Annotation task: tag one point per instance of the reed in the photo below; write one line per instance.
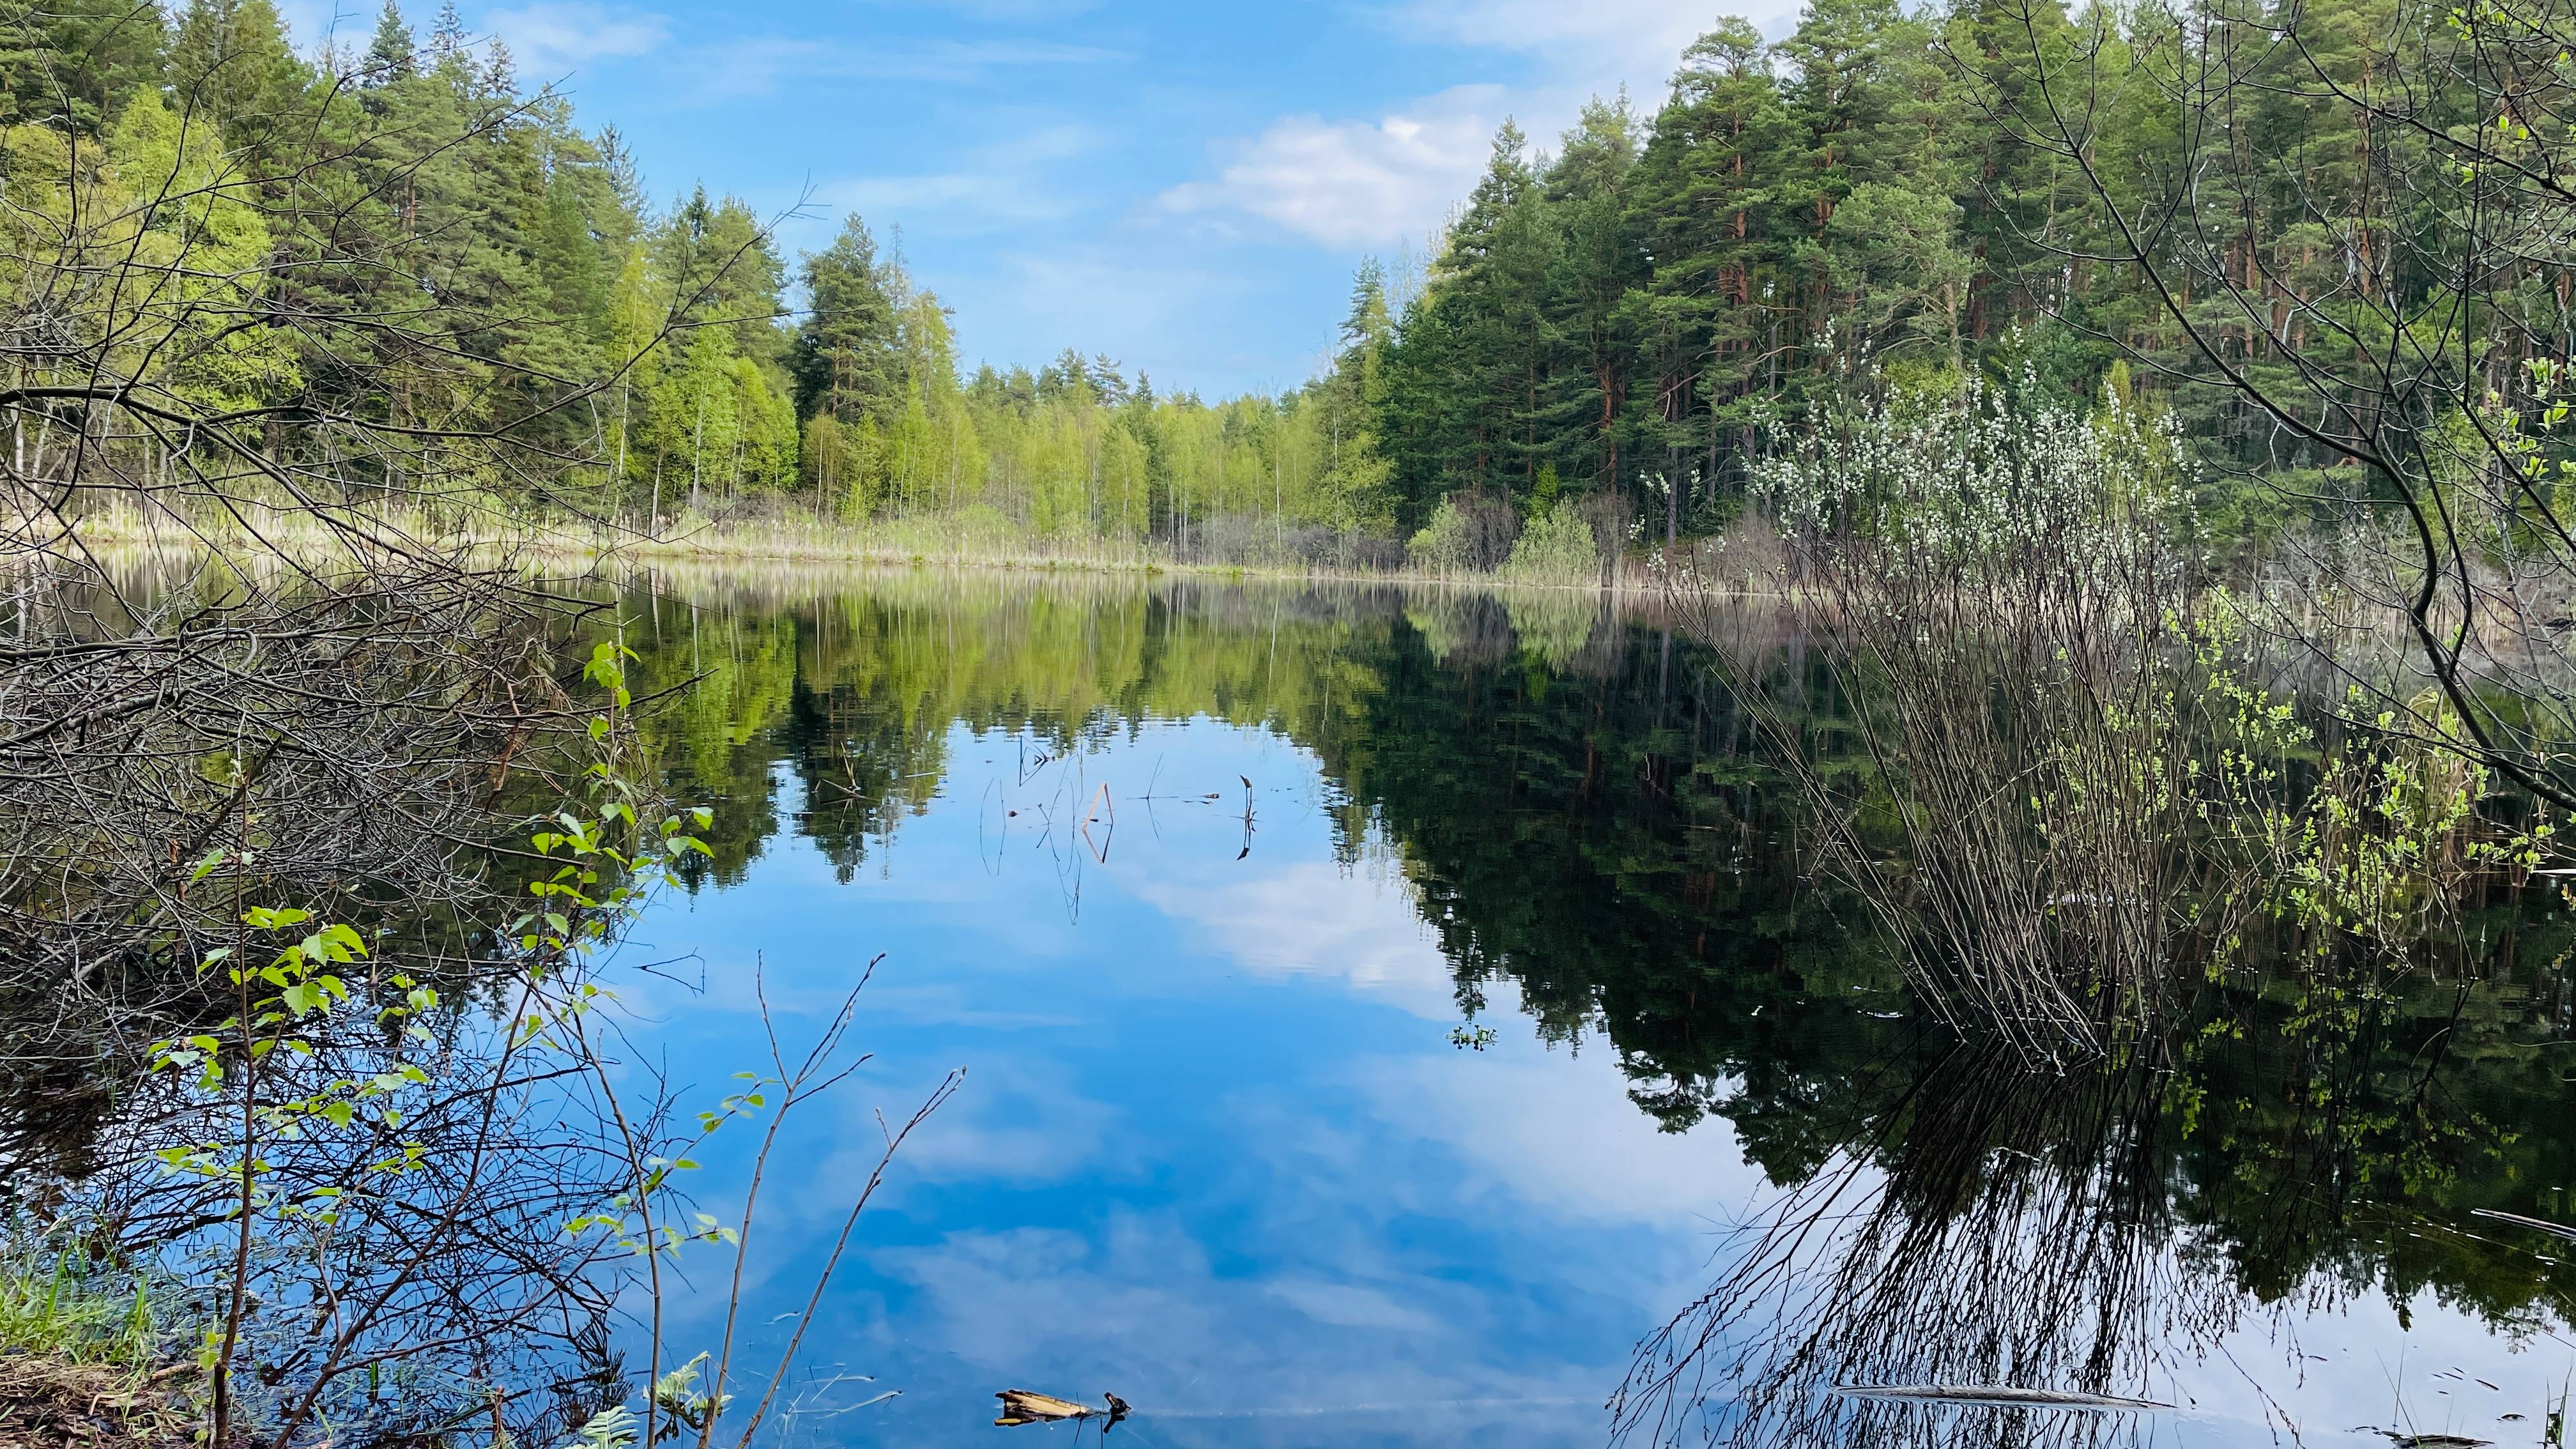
(2074, 777)
(1993, 598)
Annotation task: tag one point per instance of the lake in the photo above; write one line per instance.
(1382, 1011)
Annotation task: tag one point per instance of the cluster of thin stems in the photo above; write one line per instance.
(2001, 1226)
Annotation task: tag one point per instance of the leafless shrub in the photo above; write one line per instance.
(1256, 539)
(1609, 512)
(359, 724)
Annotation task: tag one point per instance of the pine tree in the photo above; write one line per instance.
(75, 61)
(2015, 198)
(1897, 259)
(230, 66)
(570, 260)
(447, 34)
(1482, 336)
(844, 359)
(1350, 403)
(721, 267)
(619, 220)
(391, 57)
(1717, 307)
(1839, 99)
(1598, 261)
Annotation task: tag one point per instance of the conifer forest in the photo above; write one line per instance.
(2051, 201)
(1877, 753)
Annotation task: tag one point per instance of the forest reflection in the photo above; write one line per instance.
(1583, 812)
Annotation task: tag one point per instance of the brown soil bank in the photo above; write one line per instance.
(49, 1404)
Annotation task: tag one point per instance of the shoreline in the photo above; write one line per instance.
(719, 545)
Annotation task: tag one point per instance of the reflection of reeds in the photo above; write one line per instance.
(2009, 1229)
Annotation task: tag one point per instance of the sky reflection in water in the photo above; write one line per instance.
(1218, 1153)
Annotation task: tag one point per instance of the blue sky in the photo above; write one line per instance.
(1184, 185)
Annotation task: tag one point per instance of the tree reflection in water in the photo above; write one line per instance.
(2113, 1231)
(2004, 1227)
(1588, 827)
(1588, 821)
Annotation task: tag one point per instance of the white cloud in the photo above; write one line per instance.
(1351, 183)
(1000, 186)
(759, 63)
(1351, 1305)
(1558, 1133)
(1141, 1299)
(1357, 183)
(1026, 1121)
(1596, 42)
(553, 37)
(1310, 920)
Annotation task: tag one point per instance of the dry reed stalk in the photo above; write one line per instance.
(1993, 600)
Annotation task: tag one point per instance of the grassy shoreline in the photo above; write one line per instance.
(90, 1356)
(912, 543)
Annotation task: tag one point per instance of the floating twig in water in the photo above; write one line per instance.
(1026, 1406)
(1994, 1396)
(2538, 1225)
(1100, 802)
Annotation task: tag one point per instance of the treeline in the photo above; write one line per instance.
(855, 405)
(642, 361)
(1863, 205)
(1848, 209)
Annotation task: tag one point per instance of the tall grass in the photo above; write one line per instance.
(1991, 593)
(2061, 779)
(1571, 547)
(55, 1303)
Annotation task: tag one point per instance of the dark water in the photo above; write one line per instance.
(1395, 1096)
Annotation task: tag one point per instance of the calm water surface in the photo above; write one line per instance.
(1381, 1013)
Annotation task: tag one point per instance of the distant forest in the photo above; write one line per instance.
(1839, 213)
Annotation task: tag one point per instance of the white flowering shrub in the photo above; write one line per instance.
(1996, 591)
(1977, 481)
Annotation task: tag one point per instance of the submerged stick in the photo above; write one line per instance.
(1994, 1396)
